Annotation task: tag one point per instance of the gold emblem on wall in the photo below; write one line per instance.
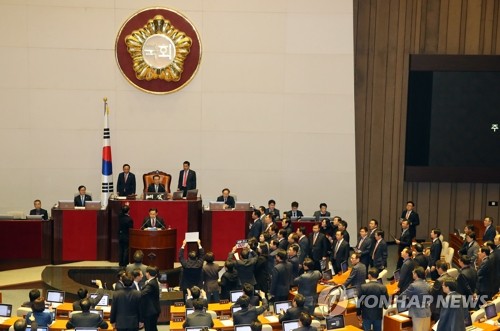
(158, 50)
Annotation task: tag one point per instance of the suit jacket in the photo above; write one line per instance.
(496, 262)
(198, 318)
(124, 188)
(229, 282)
(93, 301)
(453, 317)
(78, 200)
(379, 260)
(294, 261)
(415, 294)
(280, 279)
(42, 318)
(357, 277)
(318, 249)
(364, 249)
(159, 223)
(490, 234)
(191, 269)
(299, 214)
(86, 320)
(255, 229)
(341, 256)
(161, 188)
(41, 211)
(245, 268)
(306, 328)
(318, 214)
(435, 255)
(307, 282)
(421, 260)
(125, 223)
(291, 314)
(125, 309)
(190, 180)
(406, 275)
(485, 277)
(304, 248)
(275, 212)
(249, 314)
(466, 281)
(150, 298)
(405, 240)
(372, 288)
(210, 273)
(437, 291)
(283, 244)
(229, 201)
(414, 221)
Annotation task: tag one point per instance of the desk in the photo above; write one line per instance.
(180, 311)
(222, 228)
(397, 322)
(218, 324)
(32, 240)
(159, 247)
(78, 228)
(64, 309)
(182, 215)
(60, 325)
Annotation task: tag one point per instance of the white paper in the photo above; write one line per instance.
(272, 319)
(192, 236)
(400, 318)
(227, 322)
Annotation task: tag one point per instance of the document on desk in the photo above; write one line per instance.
(227, 322)
(272, 319)
(400, 318)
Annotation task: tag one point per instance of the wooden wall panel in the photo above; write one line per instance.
(386, 33)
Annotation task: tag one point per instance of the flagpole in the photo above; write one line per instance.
(107, 165)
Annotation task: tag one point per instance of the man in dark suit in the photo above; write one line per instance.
(150, 300)
(137, 257)
(379, 252)
(125, 223)
(82, 197)
(187, 178)
(280, 279)
(415, 298)
(83, 293)
(453, 314)
(470, 247)
(437, 288)
(39, 210)
(227, 199)
(282, 239)
(435, 252)
(192, 267)
(485, 275)
(248, 314)
(412, 217)
(406, 271)
(125, 309)
(357, 277)
(303, 243)
(256, 226)
(295, 213)
(318, 245)
(294, 312)
(307, 284)
(322, 212)
(342, 227)
(271, 204)
(153, 221)
(340, 252)
(245, 265)
(373, 290)
(364, 246)
(419, 258)
(156, 187)
(305, 321)
(198, 317)
(293, 258)
(496, 259)
(403, 241)
(372, 228)
(489, 232)
(467, 277)
(86, 319)
(126, 182)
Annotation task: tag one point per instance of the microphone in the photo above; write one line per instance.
(161, 223)
(142, 226)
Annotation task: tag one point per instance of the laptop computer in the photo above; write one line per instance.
(55, 297)
(93, 205)
(234, 309)
(189, 311)
(215, 205)
(40, 328)
(5, 312)
(192, 194)
(34, 217)
(177, 195)
(98, 311)
(344, 266)
(104, 300)
(490, 311)
(397, 275)
(235, 295)
(66, 204)
(242, 205)
(86, 329)
(327, 274)
(242, 327)
(196, 328)
(335, 322)
(290, 325)
(282, 305)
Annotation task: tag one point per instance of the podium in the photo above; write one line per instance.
(158, 246)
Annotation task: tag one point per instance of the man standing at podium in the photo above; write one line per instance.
(156, 186)
(187, 178)
(126, 182)
(39, 210)
(152, 221)
(82, 197)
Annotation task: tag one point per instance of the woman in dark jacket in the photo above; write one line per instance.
(261, 273)
(229, 280)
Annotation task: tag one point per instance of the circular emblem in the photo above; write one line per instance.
(158, 50)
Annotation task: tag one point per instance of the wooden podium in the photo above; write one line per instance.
(158, 246)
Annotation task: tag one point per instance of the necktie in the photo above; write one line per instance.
(294, 214)
(374, 250)
(156, 188)
(315, 237)
(360, 243)
(153, 222)
(126, 176)
(336, 249)
(408, 214)
(184, 180)
(225, 199)
(83, 200)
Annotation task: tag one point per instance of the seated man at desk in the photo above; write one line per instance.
(86, 319)
(82, 197)
(294, 312)
(248, 313)
(305, 321)
(195, 293)
(156, 187)
(198, 317)
(153, 221)
(84, 294)
(226, 198)
(39, 210)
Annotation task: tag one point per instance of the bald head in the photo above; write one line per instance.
(20, 325)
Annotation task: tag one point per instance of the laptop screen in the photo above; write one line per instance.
(97, 311)
(86, 329)
(282, 305)
(40, 328)
(189, 311)
(192, 194)
(235, 295)
(195, 328)
(335, 322)
(351, 293)
(290, 325)
(55, 296)
(344, 266)
(327, 274)
(242, 205)
(242, 327)
(234, 309)
(491, 311)
(104, 300)
(5, 310)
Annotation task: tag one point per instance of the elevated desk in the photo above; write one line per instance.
(456, 241)
(80, 235)
(222, 228)
(159, 247)
(25, 243)
(181, 215)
